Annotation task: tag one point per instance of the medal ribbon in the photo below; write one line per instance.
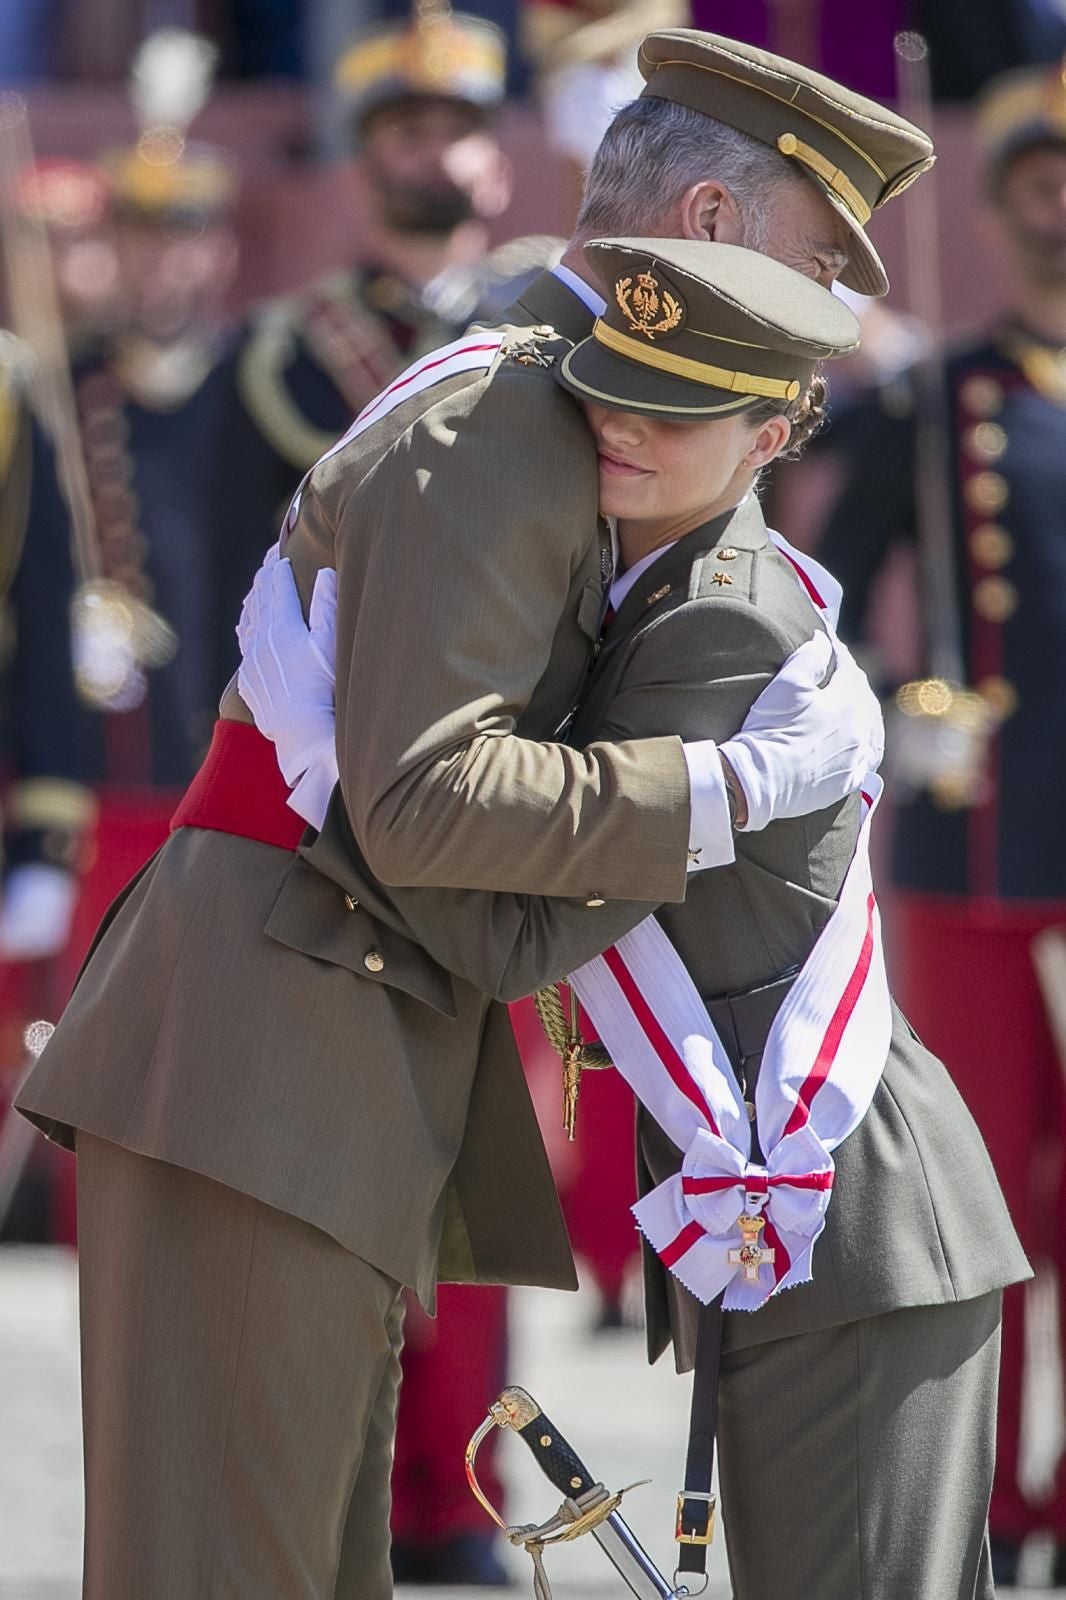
(824, 1057)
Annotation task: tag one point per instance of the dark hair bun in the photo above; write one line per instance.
(808, 416)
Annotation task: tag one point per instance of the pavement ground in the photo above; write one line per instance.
(627, 1420)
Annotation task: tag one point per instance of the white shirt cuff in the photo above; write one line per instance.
(711, 842)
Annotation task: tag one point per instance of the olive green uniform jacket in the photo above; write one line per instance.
(236, 1017)
(917, 1217)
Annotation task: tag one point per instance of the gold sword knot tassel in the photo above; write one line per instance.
(571, 1087)
(562, 1025)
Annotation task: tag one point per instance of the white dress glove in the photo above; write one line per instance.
(37, 911)
(286, 678)
(807, 744)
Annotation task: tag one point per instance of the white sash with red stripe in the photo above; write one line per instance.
(475, 351)
(823, 1060)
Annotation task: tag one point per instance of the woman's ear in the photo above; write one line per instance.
(769, 442)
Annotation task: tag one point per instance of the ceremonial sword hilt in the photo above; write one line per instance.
(515, 1409)
(587, 1506)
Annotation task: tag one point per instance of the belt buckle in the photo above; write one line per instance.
(684, 1535)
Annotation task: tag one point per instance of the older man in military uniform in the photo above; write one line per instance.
(982, 873)
(420, 95)
(277, 1100)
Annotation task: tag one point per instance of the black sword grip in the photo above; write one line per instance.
(558, 1462)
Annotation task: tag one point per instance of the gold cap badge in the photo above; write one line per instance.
(642, 301)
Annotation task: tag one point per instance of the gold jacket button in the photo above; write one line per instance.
(350, 902)
(750, 1109)
(990, 545)
(594, 901)
(983, 397)
(1000, 696)
(729, 554)
(986, 493)
(374, 961)
(995, 599)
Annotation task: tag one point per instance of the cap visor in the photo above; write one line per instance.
(865, 271)
(595, 373)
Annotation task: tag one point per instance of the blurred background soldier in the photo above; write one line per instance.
(419, 97)
(981, 867)
(142, 251)
(148, 396)
(586, 51)
(72, 199)
(46, 808)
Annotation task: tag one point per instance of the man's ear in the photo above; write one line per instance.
(708, 212)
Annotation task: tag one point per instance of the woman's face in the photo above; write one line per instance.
(660, 471)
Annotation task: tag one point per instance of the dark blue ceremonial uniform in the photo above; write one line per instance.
(303, 368)
(294, 380)
(1008, 487)
(46, 807)
(148, 434)
(42, 718)
(149, 463)
(977, 886)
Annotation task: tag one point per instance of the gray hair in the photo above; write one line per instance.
(654, 151)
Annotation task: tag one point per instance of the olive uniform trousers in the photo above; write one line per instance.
(239, 1374)
(856, 1465)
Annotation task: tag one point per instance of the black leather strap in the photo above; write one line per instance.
(703, 1426)
(743, 1021)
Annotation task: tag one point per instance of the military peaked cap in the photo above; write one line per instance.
(694, 331)
(440, 55)
(858, 154)
(1021, 111)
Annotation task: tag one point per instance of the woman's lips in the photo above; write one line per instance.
(616, 467)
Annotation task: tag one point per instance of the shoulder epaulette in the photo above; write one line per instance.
(539, 346)
(723, 571)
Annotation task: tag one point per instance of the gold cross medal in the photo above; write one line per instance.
(750, 1255)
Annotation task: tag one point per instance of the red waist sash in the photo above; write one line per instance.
(239, 789)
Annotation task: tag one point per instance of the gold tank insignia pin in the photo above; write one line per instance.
(641, 303)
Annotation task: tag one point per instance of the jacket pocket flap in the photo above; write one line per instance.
(312, 915)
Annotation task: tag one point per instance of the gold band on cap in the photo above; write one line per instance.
(835, 177)
(695, 371)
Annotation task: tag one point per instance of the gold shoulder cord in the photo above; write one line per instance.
(261, 383)
(563, 1033)
(15, 463)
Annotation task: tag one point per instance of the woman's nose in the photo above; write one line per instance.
(621, 428)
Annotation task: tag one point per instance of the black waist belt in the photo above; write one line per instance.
(744, 1019)
(743, 1022)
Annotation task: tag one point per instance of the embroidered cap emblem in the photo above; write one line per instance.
(647, 306)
